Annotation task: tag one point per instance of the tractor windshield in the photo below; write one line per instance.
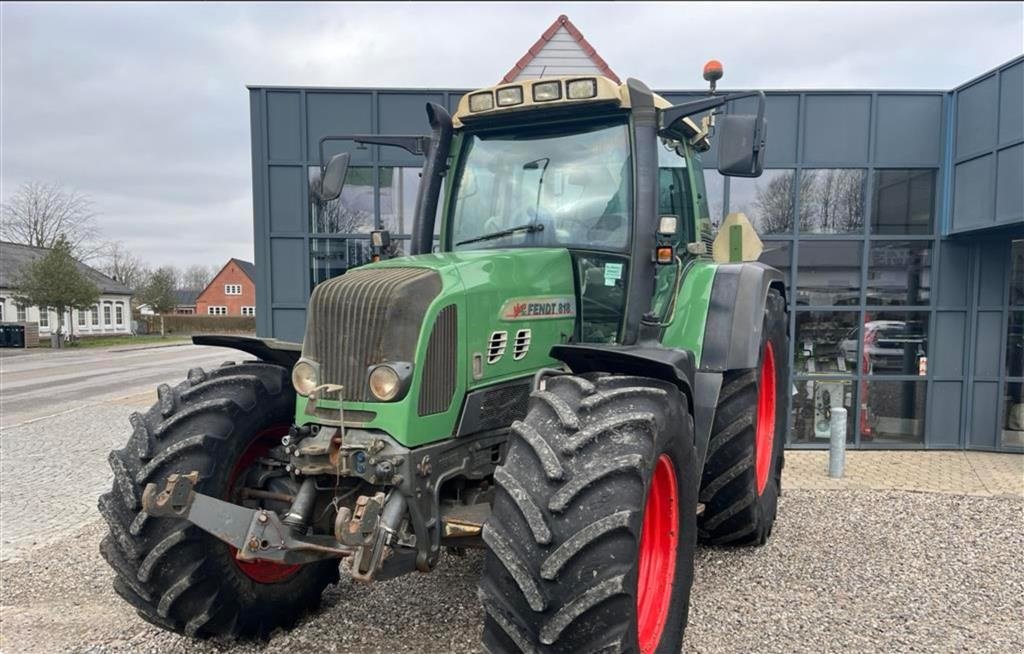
(563, 186)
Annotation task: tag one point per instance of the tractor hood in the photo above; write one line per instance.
(461, 321)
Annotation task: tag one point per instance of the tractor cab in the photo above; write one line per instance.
(610, 172)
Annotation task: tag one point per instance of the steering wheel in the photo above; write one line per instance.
(605, 226)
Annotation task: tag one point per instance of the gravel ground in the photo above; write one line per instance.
(845, 571)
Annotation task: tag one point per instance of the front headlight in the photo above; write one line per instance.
(385, 383)
(305, 378)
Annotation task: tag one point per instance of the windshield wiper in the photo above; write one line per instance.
(529, 228)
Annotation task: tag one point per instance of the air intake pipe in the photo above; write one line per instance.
(434, 169)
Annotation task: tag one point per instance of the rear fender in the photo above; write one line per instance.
(270, 350)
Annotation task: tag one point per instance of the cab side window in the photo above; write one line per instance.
(675, 197)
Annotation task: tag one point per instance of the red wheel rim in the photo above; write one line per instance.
(659, 538)
(264, 572)
(764, 439)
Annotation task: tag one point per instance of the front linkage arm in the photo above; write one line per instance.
(256, 534)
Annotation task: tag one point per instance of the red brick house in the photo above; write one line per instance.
(231, 293)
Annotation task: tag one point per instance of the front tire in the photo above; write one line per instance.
(177, 576)
(593, 529)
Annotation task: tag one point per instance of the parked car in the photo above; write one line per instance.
(886, 344)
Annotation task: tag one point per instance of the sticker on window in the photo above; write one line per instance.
(612, 273)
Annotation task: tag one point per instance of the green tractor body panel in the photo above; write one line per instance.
(686, 324)
(503, 291)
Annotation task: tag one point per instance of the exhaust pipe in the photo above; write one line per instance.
(434, 169)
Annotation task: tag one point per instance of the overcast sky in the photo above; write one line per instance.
(144, 107)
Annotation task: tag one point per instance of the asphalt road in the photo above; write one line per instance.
(60, 415)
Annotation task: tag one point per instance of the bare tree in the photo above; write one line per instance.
(774, 204)
(38, 213)
(124, 266)
(196, 277)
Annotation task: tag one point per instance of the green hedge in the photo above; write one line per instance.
(198, 324)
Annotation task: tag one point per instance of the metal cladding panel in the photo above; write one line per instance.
(288, 324)
(288, 256)
(954, 273)
(950, 327)
(944, 409)
(782, 112)
(287, 188)
(1010, 184)
(908, 129)
(984, 414)
(439, 375)
(284, 125)
(993, 272)
(366, 316)
(987, 341)
(976, 107)
(338, 112)
(404, 113)
(1011, 103)
(836, 129)
(973, 204)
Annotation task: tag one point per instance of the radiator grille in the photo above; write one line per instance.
(365, 317)
(439, 366)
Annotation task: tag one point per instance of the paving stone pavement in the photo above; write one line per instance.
(965, 473)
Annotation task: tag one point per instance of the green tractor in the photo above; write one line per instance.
(574, 378)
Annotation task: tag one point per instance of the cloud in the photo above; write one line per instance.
(144, 106)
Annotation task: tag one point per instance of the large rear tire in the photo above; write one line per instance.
(175, 575)
(742, 475)
(592, 532)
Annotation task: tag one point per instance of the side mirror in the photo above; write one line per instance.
(741, 140)
(328, 183)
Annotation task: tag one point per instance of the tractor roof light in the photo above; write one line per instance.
(481, 101)
(510, 96)
(547, 91)
(581, 89)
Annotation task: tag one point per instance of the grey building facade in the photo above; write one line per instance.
(898, 217)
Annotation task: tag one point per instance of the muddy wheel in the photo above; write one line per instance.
(743, 469)
(592, 532)
(178, 577)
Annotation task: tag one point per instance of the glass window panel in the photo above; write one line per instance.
(903, 201)
(832, 200)
(1017, 273)
(767, 200)
(398, 189)
(332, 257)
(899, 272)
(1013, 418)
(777, 255)
(893, 412)
(352, 211)
(714, 191)
(813, 404)
(828, 273)
(1015, 344)
(895, 342)
(826, 342)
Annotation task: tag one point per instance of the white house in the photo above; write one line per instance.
(110, 315)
